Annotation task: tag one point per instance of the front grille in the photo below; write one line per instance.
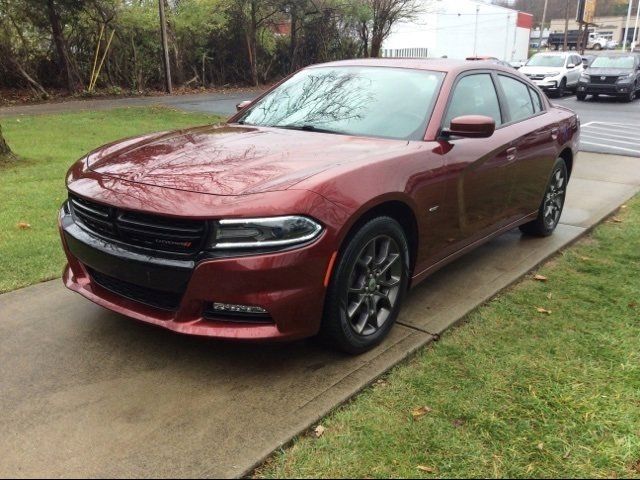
(153, 232)
(149, 296)
(604, 80)
(537, 77)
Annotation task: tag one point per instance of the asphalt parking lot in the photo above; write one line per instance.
(608, 125)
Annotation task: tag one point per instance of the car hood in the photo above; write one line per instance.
(609, 72)
(539, 70)
(232, 159)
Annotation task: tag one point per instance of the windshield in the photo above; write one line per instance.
(368, 101)
(546, 61)
(613, 62)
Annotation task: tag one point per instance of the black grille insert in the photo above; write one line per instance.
(155, 298)
(154, 232)
(604, 79)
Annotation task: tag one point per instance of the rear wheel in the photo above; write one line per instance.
(562, 88)
(367, 287)
(552, 205)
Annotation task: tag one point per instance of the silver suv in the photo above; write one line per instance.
(554, 72)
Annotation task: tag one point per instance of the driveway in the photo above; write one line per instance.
(86, 392)
(217, 103)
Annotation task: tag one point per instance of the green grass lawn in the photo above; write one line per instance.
(512, 392)
(32, 188)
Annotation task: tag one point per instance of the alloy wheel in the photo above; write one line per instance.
(554, 199)
(374, 285)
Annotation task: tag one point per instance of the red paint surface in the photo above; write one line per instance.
(525, 20)
(235, 171)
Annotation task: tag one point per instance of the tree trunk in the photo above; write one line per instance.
(5, 151)
(252, 42)
(61, 45)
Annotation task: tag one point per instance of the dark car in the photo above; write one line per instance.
(318, 205)
(611, 74)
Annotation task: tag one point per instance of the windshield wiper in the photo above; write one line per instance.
(309, 128)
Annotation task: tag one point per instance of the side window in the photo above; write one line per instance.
(474, 95)
(518, 99)
(537, 101)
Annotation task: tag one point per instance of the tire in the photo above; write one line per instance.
(630, 96)
(562, 88)
(552, 204)
(581, 97)
(362, 305)
(597, 47)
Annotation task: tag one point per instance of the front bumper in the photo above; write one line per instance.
(608, 89)
(546, 84)
(289, 285)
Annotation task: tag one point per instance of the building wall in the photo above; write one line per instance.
(449, 28)
(610, 27)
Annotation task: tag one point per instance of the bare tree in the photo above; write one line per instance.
(377, 17)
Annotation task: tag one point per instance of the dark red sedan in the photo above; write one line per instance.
(317, 206)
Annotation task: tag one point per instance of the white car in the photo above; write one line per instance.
(554, 72)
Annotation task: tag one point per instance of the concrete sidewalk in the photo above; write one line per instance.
(86, 392)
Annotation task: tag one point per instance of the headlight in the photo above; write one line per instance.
(551, 74)
(264, 232)
(626, 78)
(585, 76)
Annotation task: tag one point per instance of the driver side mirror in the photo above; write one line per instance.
(571, 66)
(243, 105)
(471, 126)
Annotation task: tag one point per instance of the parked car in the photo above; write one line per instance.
(616, 74)
(518, 64)
(587, 59)
(495, 60)
(318, 205)
(554, 72)
(612, 45)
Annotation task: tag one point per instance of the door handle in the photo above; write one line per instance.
(511, 154)
(554, 133)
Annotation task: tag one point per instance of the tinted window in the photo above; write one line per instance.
(474, 95)
(537, 101)
(368, 101)
(517, 96)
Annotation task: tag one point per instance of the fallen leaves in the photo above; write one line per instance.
(319, 431)
(420, 412)
(543, 311)
(540, 278)
(616, 220)
(633, 304)
(425, 469)
(23, 225)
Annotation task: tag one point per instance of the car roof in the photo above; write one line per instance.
(446, 65)
(557, 54)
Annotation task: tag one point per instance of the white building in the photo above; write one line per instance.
(461, 29)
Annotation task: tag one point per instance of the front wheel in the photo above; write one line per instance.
(552, 204)
(562, 88)
(367, 287)
(581, 97)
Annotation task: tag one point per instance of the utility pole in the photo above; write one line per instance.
(626, 28)
(165, 48)
(566, 28)
(544, 19)
(475, 34)
(635, 28)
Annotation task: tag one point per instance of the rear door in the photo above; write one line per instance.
(534, 133)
